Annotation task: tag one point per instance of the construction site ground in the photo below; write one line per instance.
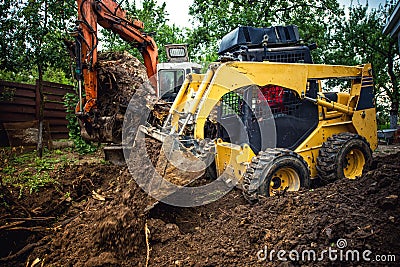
(94, 214)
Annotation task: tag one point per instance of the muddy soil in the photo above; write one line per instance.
(230, 232)
(102, 221)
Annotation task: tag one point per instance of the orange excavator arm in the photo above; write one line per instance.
(109, 15)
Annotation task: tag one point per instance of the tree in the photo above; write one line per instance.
(42, 21)
(35, 31)
(358, 39)
(217, 18)
(11, 59)
(38, 28)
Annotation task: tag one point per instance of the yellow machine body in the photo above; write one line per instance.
(201, 93)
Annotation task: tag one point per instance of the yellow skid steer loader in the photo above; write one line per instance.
(265, 116)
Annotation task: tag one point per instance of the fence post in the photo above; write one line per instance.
(40, 111)
(37, 100)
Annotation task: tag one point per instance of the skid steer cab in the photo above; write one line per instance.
(270, 119)
(170, 75)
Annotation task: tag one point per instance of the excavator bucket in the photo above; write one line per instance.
(114, 155)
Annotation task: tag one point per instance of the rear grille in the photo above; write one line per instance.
(281, 101)
(286, 57)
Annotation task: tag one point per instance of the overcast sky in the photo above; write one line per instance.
(178, 9)
(178, 12)
(372, 3)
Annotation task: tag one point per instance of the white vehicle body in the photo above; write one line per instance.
(170, 75)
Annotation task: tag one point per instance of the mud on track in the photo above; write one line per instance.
(106, 227)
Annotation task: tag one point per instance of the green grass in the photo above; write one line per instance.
(28, 172)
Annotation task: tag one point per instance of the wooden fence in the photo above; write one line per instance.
(20, 102)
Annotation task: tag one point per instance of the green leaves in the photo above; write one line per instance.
(357, 38)
(32, 33)
(81, 146)
(28, 172)
(217, 18)
(154, 17)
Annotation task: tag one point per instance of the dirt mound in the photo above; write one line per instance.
(104, 223)
(94, 217)
(230, 232)
(108, 230)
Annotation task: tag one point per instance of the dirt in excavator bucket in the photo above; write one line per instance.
(120, 75)
(121, 78)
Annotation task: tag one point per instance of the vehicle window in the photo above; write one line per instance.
(196, 70)
(170, 81)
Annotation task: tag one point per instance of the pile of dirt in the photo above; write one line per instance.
(107, 231)
(95, 215)
(104, 223)
(121, 77)
(231, 232)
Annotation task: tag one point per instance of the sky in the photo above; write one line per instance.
(178, 9)
(372, 3)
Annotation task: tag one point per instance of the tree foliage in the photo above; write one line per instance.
(357, 38)
(154, 17)
(29, 76)
(32, 34)
(12, 48)
(217, 18)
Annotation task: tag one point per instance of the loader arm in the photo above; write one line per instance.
(109, 15)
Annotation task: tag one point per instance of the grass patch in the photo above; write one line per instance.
(28, 172)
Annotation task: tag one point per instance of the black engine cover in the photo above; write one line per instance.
(254, 37)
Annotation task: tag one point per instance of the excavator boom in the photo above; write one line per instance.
(106, 87)
(109, 15)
